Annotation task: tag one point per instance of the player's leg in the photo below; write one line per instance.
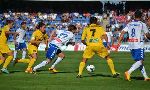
(138, 56)
(33, 58)
(143, 71)
(102, 52)
(15, 51)
(42, 64)
(58, 60)
(24, 50)
(50, 54)
(8, 59)
(32, 51)
(88, 53)
(2, 59)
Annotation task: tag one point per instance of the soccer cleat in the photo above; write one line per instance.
(116, 75)
(79, 76)
(4, 70)
(33, 72)
(29, 70)
(53, 70)
(127, 76)
(147, 79)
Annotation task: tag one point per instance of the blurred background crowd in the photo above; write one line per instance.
(58, 15)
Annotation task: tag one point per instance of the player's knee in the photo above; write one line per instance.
(107, 57)
(11, 53)
(84, 60)
(61, 55)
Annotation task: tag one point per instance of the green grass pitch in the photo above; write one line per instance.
(66, 80)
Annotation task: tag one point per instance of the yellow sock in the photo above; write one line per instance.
(1, 62)
(81, 67)
(7, 61)
(24, 60)
(111, 66)
(31, 62)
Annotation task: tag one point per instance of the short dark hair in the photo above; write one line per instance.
(23, 23)
(9, 21)
(93, 20)
(71, 27)
(138, 14)
(40, 24)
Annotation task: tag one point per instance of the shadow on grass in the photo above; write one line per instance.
(14, 71)
(137, 78)
(97, 75)
(50, 72)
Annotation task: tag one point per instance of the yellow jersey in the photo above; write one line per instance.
(93, 35)
(38, 36)
(3, 36)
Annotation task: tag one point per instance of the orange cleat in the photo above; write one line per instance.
(28, 70)
(127, 76)
(147, 79)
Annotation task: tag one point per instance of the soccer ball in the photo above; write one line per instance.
(90, 68)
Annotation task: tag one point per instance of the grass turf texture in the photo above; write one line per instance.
(66, 80)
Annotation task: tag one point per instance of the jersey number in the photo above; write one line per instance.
(133, 32)
(93, 32)
(62, 35)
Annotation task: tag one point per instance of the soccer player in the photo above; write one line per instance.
(4, 48)
(93, 35)
(61, 37)
(38, 36)
(20, 42)
(136, 30)
(110, 38)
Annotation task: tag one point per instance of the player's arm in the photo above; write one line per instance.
(112, 39)
(146, 31)
(46, 41)
(14, 34)
(83, 36)
(121, 37)
(147, 35)
(72, 41)
(33, 39)
(104, 36)
(52, 35)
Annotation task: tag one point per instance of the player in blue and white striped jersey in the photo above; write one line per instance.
(57, 39)
(136, 30)
(20, 41)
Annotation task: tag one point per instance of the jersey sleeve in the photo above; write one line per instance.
(83, 34)
(33, 36)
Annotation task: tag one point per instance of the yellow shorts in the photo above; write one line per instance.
(4, 48)
(32, 49)
(91, 50)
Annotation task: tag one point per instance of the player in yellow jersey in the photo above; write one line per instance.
(93, 35)
(37, 37)
(4, 48)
